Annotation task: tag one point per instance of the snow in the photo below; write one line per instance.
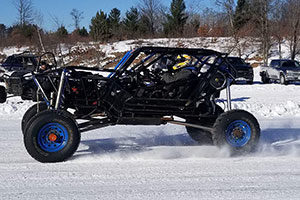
(162, 162)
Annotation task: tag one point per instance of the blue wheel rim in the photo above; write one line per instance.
(238, 133)
(52, 137)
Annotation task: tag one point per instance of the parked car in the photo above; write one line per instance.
(282, 70)
(244, 70)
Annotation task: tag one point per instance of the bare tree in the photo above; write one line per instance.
(58, 24)
(293, 21)
(25, 11)
(39, 20)
(77, 16)
(150, 10)
(262, 10)
(228, 6)
(278, 26)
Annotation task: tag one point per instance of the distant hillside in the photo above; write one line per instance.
(97, 54)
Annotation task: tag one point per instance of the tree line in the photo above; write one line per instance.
(271, 21)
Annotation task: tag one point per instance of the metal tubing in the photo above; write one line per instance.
(228, 94)
(60, 89)
(191, 125)
(40, 88)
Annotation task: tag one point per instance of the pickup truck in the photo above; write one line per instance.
(282, 70)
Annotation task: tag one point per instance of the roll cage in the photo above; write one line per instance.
(119, 102)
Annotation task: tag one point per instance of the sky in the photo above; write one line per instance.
(61, 9)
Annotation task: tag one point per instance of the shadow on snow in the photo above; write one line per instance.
(274, 141)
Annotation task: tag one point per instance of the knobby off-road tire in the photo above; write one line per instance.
(3, 94)
(32, 111)
(203, 137)
(52, 136)
(238, 130)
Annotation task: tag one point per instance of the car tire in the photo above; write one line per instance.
(264, 78)
(283, 80)
(32, 111)
(237, 130)
(3, 94)
(52, 136)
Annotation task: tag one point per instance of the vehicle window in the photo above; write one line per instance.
(18, 61)
(289, 64)
(9, 59)
(275, 63)
(28, 61)
(236, 61)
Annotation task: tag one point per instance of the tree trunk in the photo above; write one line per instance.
(40, 39)
(295, 41)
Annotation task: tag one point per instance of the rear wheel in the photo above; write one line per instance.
(203, 137)
(265, 78)
(32, 111)
(238, 130)
(51, 136)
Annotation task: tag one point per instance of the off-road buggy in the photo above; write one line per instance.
(149, 86)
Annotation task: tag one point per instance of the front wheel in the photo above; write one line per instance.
(282, 80)
(238, 130)
(51, 136)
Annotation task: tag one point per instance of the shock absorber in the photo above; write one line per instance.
(228, 94)
(60, 89)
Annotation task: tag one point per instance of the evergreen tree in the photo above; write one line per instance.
(242, 14)
(176, 19)
(114, 21)
(114, 18)
(2, 30)
(145, 25)
(62, 31)
(131, 22)
(99, 28)
(83, 32)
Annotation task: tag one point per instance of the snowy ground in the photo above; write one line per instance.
(162, 162)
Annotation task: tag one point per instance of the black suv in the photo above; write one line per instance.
(20, 62)
(282, 70)
(244, 70)
(16, 70)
